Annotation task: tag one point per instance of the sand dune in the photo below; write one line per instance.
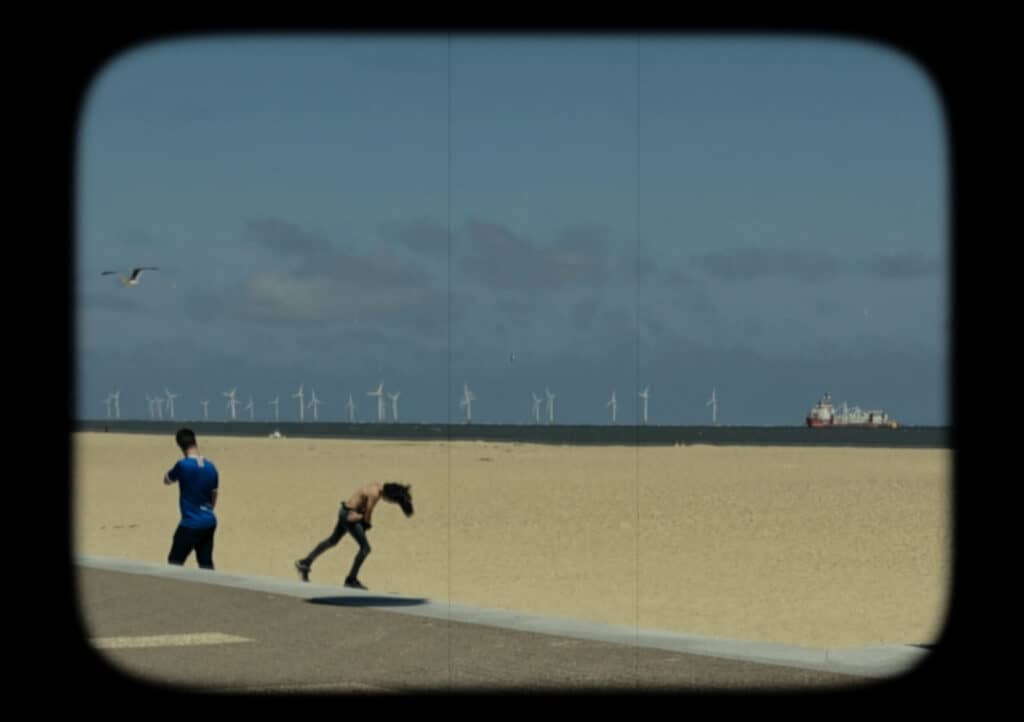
(814, 546)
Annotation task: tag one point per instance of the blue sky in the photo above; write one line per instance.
(767, 216)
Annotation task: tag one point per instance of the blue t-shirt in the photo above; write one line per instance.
(197, 479)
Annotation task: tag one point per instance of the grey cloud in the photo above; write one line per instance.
(301, 302)
(584, 237)
(659, 273)
(274, 299)
(364, 273)
(423, 236)
(286, 239)
(583, 313)
(747, 264)
(501, 259)
(684, 293)
(901, 267)
(283, 297)
(329, 285)
(578, 261)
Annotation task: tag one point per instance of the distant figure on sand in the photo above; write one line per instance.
(197, 483)
(355, 517)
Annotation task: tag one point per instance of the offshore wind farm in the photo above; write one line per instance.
(539, 427)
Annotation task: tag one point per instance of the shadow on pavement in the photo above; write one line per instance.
(368, 601)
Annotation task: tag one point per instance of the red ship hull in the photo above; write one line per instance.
(820, 424)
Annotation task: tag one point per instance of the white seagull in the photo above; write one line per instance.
(133, 279)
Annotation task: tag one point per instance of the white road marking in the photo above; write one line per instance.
(166, 640)
(312, 687)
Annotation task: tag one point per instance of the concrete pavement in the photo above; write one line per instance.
(188, 627)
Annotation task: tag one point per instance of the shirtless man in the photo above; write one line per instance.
(355, 517)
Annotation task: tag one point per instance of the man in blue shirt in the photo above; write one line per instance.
(197, 481)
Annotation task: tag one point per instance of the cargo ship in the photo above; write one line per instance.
(826, 415)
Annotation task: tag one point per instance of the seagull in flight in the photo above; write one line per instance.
(133, 279)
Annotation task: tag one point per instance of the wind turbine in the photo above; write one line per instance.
(551, 406)
(298, 395)
(468, 397)
(645, 394)
(379, 393)
(713, 403)
(314, 403)
(536, 407)
(394, 404)
(232, 402)
(170, 402)
(206, 410)
(249, 407)
(116, 396)
(614, 404)
(106, 402)
(159, 403)
(276, 404)
(351, 408)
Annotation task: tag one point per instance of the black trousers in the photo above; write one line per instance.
(355, 528)
(186, 540)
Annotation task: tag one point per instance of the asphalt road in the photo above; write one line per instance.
(190, 635)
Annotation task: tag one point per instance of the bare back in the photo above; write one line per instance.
(362, 501)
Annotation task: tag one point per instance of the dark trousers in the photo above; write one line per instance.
(355, 528)
(186, 539)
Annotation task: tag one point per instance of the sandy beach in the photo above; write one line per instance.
(814, 546)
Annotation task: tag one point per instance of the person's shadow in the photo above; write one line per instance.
(368, 601)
